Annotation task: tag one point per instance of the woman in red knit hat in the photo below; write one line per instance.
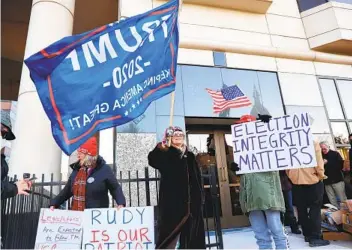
(90, 181)
(262, 200)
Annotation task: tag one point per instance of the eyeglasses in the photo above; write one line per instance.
(174, 131)
(178, 134)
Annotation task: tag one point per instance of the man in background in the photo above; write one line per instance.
(333, 165)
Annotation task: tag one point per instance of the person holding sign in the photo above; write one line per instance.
(90, 181)
(180, 195)
(261, 197)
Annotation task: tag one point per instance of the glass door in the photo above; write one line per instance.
(199, 144)
(213, 147)
(230, 184)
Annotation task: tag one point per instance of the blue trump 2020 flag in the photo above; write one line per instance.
(108, 76)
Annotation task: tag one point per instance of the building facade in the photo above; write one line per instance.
(287, 56)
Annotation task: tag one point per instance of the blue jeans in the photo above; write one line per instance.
(267, 224)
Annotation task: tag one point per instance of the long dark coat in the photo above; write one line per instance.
(180, 198)
(333, 168)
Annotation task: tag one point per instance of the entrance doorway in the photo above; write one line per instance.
(214, 147)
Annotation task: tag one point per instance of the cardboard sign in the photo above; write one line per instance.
(283, 143)
(127, 228)
(59, 229)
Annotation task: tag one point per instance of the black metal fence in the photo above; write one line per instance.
(19, 215)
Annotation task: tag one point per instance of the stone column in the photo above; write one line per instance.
(35, 150)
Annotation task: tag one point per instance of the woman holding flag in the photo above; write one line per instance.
(181, 193)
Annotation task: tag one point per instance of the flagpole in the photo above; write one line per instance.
(173, 92)
(172, 108)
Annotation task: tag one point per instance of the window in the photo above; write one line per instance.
(219, 59)
(331, 98)
(319, 121)
(340, 132)
(345, 90)
(197, 101)
(338, 103)
(292, 86)
(304, 5)
(163, 104)
(262, 88)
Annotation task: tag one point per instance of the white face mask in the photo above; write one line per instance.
(3, 143)
(7, 145)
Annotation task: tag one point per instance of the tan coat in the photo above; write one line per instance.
(309, 176)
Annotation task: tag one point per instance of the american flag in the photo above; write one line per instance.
(229, 97)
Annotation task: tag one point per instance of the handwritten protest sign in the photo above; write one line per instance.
(127, 228)
(59, 229)
(284, 143)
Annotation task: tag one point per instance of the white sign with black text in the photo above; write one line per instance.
(283, 143)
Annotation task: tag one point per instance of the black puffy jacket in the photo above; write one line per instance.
(8, 189)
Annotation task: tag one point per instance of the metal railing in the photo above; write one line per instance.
(20, 214)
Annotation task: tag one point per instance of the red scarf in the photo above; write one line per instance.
(79, 190)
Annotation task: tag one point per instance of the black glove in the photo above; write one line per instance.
(234, 167)
(264, 118)
(282, 217)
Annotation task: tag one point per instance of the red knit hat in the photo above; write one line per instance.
(89, 147)
(246, 118)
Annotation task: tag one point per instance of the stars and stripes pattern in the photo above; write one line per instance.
(229, 97)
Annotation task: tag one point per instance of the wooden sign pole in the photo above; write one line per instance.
(171, 114)
(173, 93)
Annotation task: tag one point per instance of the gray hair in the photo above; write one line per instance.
(324, 143)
